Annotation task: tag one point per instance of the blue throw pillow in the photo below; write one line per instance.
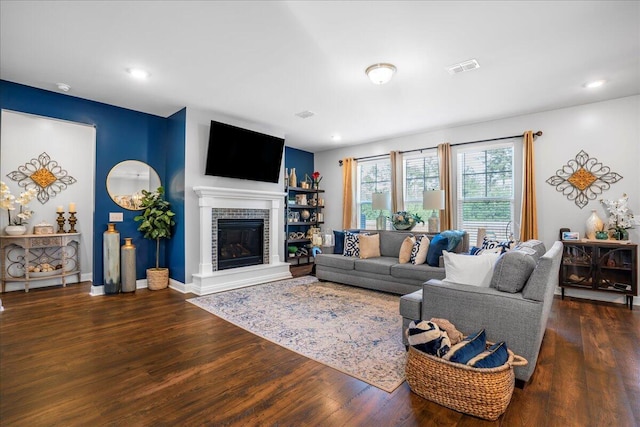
(454, 236)
(494, 356)
(437, 245)
(338, 238)
(468, 348)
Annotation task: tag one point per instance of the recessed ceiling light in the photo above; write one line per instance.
(138, 73)
(594, 84)
(380, 73)
(336, 137)
(63, 87)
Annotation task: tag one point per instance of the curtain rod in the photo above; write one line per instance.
(539, 133)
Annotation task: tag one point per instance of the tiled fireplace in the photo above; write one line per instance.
(245, 210)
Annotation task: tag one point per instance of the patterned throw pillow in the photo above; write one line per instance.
(428, 337)
(504, 245)
(419, 250)
(494, 356)
(468, 348)
(351, 244)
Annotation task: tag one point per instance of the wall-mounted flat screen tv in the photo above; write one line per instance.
(244, 154)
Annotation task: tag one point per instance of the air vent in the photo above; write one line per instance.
(305, 114)
(469, 65)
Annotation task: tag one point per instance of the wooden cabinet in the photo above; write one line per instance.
(18, 253)
(303, 211)
(606, 266)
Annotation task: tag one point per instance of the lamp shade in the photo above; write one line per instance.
(381, 201)
(433, 199)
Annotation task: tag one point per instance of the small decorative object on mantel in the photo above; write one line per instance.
(16, 225)
(620, 217)
(582, 179)
(594, 223)
(43, 175)
(405, 221)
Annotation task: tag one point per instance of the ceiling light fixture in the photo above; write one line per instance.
(63, 87)
(138, 73)
(594, 84)
(461, 67)
(380, 73)
(336, 137)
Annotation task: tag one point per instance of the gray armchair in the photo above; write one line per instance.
(520, 318)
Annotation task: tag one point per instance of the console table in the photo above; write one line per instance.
(19, 252)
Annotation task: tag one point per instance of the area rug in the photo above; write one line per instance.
(353, 330)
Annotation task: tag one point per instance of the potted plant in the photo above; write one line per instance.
(405, 221)
(156, 222)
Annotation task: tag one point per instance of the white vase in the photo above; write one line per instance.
(15, 230)
(594, 223)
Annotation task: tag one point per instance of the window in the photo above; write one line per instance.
(374, 176)
(485, 193)
(421, 173)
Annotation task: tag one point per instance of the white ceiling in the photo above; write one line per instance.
(262, 62)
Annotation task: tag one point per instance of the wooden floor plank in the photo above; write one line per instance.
(151, 358)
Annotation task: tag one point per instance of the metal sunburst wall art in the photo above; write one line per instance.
(583, 179)
(43, 174)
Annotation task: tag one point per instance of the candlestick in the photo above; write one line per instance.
(72, 222)
(61, 222)
(72, 207)
(60, 209)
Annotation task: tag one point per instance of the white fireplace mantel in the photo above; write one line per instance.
(208, 281)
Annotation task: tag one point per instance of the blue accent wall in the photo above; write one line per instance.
(301, 160)
(121, 134)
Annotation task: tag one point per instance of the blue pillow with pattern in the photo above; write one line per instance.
(468, 348)
(493, 357)
(351, 244)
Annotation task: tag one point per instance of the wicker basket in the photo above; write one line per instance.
(157, 278)
(481, 392)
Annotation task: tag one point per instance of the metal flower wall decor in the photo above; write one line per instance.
(583, 179)
(44, 175)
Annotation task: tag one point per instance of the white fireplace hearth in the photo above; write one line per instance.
(216, 203)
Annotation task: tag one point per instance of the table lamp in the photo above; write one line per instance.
(380, 202)
(433, 200)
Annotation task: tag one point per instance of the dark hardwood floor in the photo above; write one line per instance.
(151, 358)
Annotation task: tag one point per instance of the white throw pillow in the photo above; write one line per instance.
(420, 249)
(468, 269)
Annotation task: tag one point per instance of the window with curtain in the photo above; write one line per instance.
(485, 190)
(420, 173)
(374, 176)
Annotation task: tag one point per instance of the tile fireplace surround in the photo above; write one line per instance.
(217, 202)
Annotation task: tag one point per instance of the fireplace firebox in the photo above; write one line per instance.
(240, 243)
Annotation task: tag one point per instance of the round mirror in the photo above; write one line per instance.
(127, 179)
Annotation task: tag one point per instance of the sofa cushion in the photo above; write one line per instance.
(351, 244)
(469, 270)
(369, 246)
(420, 272)
(420, 249)
(390, 242)
(404, 255)
(335, 261)
(411, 305)
(468, 348)
(437, 245)
(380, 265)
(493, 357)
(512, 270)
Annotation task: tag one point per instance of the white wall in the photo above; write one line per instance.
(608, 131)
(72, 146)
(197, 141)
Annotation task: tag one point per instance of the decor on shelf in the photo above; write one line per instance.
(43, 228)
(293, 179)
(155, 224)
(405, 221)
(602, 235)
(60, 220)
(16, 225)
(620, 216)
(111, 259)
(128, 264)
(433, 200)
(381, 202)
(380, 73)
(594, 223)
(316, 178)
(583, 178)
(43, 175)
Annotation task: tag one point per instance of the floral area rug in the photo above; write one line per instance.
(353, 330)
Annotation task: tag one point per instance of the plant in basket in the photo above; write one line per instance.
(155, 224)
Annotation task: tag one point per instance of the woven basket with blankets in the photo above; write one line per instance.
(469, 375)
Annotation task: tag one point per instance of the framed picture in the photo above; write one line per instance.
(570, 235)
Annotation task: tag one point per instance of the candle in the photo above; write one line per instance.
(72, 207)
(60, 209)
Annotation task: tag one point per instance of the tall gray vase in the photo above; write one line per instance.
(128, 265)
(111, 259)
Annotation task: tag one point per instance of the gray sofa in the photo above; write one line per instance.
(518, 318)
(382, 273)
